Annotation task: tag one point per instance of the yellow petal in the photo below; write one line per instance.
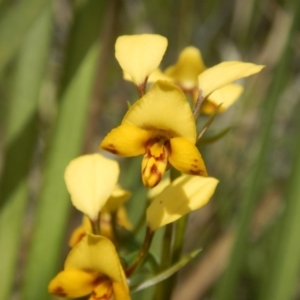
(187, 193)
(226, 96)
(157, 74)
(106, 229)
(126, 140)
(120, 293)
(224, 73)
(122, 218)
(186, 158)
(163, 108)
(103, 290)
(118, 197)
(139, 55)
(90, 180)
(72, 283)
(79, 232)
(159, 188)
(97, 254)
(187, 69)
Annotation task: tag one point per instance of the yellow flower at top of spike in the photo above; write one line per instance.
(140, 55)
(161, 126)
(189, 71)
(92, 267)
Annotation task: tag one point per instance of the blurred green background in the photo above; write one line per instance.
(61, 91)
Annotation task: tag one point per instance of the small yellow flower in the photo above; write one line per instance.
(105, 226)
(92, 267)
(115, 203)
(161, 126)
(140, 55)
(185, 194)
(187, 69)
(90, 180)
(222, 74)
(190, 74)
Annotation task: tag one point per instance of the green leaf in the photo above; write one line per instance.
(208, 122)
(167, 273)
(54, 204)
(230, 281)
(20, 140)
(284, 275)
(14, 24)
(214, 138)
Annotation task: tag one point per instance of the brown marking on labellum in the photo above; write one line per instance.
(153, 169)
(111, 148)
(195, 172)
(59, 291)
(99, 279)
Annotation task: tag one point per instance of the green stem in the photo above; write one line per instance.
(179, 238)
(164, 289)
(141, 220)
(142, 253)
(114, 219)
(198, 105)
(95, 225)
(141, 89)
(167, 246)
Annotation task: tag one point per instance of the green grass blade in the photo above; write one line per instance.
(167, 273)
(14, 24)
(54, 203)
(284, 271)
(286, 262)
(229, 283)
(20, 139)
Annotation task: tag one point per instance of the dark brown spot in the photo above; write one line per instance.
(59, 291)
(111, 148)
(195, 172)
(153, 169)
(113, 151)
(195, 160)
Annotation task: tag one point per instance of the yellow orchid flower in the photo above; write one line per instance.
(225, 96)
(114, 203)
(92, 267)
(220, 75)
(187, 69)
(161, 126)
(190, 66)
(158, 188)
(105, 226)
(185, 194)
(90, 180)
(117, 198)
(140, 55)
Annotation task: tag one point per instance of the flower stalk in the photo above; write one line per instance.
(95, 224)
(198, 105)
(142, 253)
